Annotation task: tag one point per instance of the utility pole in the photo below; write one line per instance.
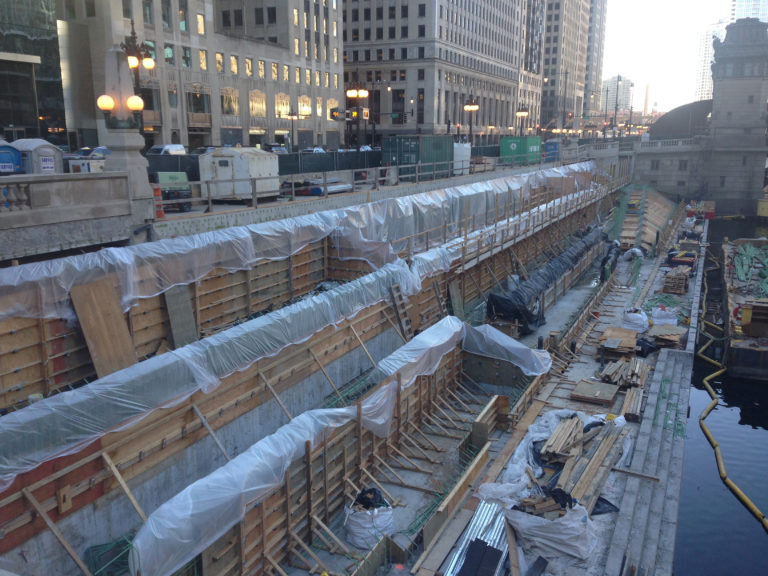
(616, 107)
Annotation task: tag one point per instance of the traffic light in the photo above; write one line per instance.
(355, 114)
(335, 114)
(366, 113)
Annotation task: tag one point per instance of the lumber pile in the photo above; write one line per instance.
(590, 457)
(567, 434)
(595, 392)
(625, 373)
(676, 280)
(666, 335)
(617, 343)
(632, 405)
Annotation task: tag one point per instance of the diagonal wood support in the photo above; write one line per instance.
(275, 395)
(55, 529)
(205, 423)
(119, 477)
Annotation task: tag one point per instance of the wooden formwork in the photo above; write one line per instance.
(279, 529)
(45, 355)
(42, 356)
(85, 476)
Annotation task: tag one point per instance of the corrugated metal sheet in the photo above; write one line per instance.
(488, 525)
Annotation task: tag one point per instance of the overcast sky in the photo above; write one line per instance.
(655, 42)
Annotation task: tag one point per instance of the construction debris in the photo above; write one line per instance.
(676, 280)
(625, 373)
(617, 343)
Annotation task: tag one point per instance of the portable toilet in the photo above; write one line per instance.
(10, 159)
(39, 156)
(228, 173)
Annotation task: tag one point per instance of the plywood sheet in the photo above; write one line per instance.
(181, 315)
(98, 310)
(595, 392)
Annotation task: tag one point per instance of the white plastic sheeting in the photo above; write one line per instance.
(489, 342)
(201, 513)
(63, 423)
(372, 231)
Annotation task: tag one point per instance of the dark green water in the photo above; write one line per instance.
(716, 533)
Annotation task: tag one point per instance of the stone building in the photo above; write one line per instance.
(227, 72)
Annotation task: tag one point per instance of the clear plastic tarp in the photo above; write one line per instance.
(374, 232)
(201, 513)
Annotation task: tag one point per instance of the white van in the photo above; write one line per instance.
(167, 149)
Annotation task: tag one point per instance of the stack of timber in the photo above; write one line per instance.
(587, 459)
(567, 434)
(633, 404)
(666, 335)
(595, 392)
(625, 373)
(617, 343)
(676, 280)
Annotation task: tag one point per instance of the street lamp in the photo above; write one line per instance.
(137, 53)
(293, 116)
(471, 107)
(357, 94)
(522, 113)
(134, 104)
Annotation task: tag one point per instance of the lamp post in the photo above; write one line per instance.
(357, 94)
(522, 113)
(138, 54)
(616, 106)
(471, 107)
(293, 116)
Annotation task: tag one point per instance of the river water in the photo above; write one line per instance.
(716, 534)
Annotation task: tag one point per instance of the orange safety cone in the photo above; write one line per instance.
(159, 212)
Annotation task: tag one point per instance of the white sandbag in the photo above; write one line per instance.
(664, 316)
(366, 527)
(635, 319)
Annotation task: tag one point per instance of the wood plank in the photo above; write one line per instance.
(182, 319)
(595, 392)
(98, 310)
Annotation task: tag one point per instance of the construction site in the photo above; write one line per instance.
(431, 384)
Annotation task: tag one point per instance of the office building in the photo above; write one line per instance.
(594, 71)
(422, 62)
(566, 37)
(227, 72)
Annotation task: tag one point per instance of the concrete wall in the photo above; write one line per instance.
(673, 167)
(49, 213)
(113, 516)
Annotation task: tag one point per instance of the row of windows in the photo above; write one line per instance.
(421, 32)
(391, 13)
(682, 165)
(365, 55)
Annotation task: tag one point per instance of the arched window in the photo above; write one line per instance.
(305, 106)
(257, 104)
(230, 101)
(282, 105)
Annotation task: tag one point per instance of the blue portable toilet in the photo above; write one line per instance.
(551, 150)
(10, 159)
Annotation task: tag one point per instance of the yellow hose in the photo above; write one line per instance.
(743, 498)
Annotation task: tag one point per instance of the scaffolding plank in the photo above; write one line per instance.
(103, 324)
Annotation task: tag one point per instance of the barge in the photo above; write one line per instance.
(745, 307)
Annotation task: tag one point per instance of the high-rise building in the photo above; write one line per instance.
(227, 72)
(422, 62)
(705, 55)
(594, 72)
(749, 9)
(617, 95)
(566, 36)
(31, 99)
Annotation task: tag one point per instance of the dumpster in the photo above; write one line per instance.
(10, 159)
(229, 172)
(520, 150)
(433, 153)
(39, 156)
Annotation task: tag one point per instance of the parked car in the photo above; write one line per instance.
(203, 150)
(278, 150)
(365, 148)
(314, 150)
(167, 149)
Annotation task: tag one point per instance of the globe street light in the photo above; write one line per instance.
(137, 53)
(471, 107)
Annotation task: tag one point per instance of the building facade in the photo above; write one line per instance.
(422, 62)
(566, 39)
(749, 9)
(29, 66)
(228, 72)
(593, 81)
(703, 90)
